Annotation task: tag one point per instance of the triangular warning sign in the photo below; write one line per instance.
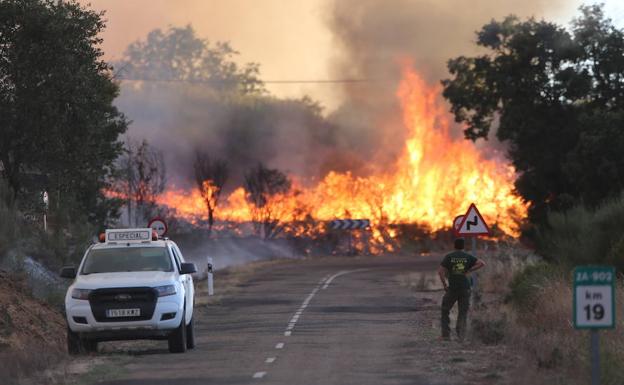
(473, 223)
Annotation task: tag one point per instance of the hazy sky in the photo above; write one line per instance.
(289, 38)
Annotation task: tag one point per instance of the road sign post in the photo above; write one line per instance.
(594, 307)
(350, 224)
(159, 226)
(471, 225)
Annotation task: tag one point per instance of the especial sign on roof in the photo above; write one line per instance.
(129, 235)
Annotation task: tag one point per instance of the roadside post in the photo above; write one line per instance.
(594, 307)
(46, 202)
(210, 279)
(471, 225)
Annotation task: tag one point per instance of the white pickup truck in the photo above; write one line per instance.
(131, 285)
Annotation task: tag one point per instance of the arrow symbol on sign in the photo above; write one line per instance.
(474, 222)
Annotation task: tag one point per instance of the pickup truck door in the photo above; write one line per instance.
(187, 281)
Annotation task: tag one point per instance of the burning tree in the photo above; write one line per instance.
(210, 176)
(265, 189)
(142, 178)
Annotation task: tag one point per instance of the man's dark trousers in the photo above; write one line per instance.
(462, 297)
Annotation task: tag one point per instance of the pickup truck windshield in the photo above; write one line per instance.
(127, 259)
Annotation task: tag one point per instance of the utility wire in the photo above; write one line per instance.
(305, 81)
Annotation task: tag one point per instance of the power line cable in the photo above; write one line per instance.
(289, 81)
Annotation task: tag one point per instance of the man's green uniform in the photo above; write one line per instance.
(457, 264)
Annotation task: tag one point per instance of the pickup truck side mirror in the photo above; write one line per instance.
(68, 272)
(188, 268)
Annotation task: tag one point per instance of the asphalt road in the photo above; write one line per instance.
(330, 321)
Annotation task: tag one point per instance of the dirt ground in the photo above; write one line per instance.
(32, 334)
(470, 362)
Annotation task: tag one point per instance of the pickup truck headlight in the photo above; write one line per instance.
(166, 290)
(81, 293)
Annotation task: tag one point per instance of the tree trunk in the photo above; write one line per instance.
(11, 174)
(210, 220)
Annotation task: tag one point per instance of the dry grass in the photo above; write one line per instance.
(547, 334)
(32, 334)
(18, 366)
(554, 352)
(502, 264)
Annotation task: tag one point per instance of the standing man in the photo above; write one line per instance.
(456, 268)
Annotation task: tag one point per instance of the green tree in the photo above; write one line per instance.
(178, 55)
(556, 97)
(57, 119)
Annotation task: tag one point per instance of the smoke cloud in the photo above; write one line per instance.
(365, 134)
(374, 37)
(180, 119)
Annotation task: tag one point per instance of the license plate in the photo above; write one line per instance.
(113, 313)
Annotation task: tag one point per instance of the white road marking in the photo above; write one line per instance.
(330, 279)
(323, 284)
(259, 374)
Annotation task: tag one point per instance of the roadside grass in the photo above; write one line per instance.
(546, 333)
(28, 365)
(531, 308)
(525, 305)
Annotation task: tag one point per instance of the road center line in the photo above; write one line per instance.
(259, 374)
(330, 279)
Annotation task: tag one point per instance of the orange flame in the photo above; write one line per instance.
(435, 179)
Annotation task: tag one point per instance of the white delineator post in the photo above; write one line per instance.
(210, 279)
(45, 211)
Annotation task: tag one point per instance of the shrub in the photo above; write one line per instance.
(490, 330)
(527, 285)
(586, 236)
(10, 221)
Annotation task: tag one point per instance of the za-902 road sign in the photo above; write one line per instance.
(594, 297)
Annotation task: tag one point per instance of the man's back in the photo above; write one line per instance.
(457, 263)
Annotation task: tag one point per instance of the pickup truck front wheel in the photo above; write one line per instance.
(177, 338)
(77, 345)
(190, 335)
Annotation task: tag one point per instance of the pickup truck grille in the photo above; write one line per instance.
(143, 298)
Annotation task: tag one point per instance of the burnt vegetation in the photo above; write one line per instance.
(141, 177)
(263, 185)
(210, 177)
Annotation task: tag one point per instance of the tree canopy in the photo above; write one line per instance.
(177, 54)
(59, 128)
(556, 96)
